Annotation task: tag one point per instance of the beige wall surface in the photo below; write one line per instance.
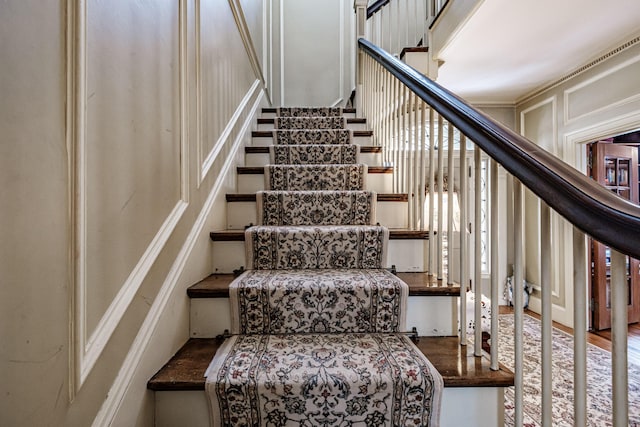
(119, 124)
(602, 101)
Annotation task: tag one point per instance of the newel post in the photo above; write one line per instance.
(360, 7)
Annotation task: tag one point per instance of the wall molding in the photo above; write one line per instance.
(140, 345)
(87, 347)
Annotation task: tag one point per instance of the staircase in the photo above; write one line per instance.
(328, 221)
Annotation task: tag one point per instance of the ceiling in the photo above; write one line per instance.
(508, 49)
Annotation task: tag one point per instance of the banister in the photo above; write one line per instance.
(376, 6)
(588, 205)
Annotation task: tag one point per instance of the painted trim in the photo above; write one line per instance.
(281, 23)
(231, 124)
(554, 111)
(86, 350)
(198, 70)
(122, 383)
(588, 82)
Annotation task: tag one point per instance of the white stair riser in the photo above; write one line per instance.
(350, 126)
(262, 159)
(392, 215)
(432, 316)
(461, 406)
(408, 255)
(378, 182)
(274, 115)
(265, 141)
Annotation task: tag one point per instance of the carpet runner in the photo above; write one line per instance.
(316, 207)
(313, 301)
(312, 136)
(314, 154)
(317, 322)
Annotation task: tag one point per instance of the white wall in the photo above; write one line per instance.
(119, 122)
(312, 46)
(600, 102)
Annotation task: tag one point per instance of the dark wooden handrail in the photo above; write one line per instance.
(376, 6)
(579, 199)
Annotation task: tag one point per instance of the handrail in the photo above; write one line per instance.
(585, 203)
(376, 6)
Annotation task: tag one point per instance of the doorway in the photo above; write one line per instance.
(613, 162)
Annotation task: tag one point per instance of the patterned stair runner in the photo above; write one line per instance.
(317, 321)
(314, 154)
(316, 207)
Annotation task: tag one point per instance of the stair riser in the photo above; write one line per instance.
(378, 182)
(351, 126)
(432, 316)
(390, 214)
(468, 406)
(407, 255)
(261, 159)
(266, 141)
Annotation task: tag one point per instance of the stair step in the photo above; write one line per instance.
(370, 149)
(259, 170)
(238, 235)
(384, 197)
(420, 284)
(350, 120)
(273, 110)
(269, 133)
(185, 370)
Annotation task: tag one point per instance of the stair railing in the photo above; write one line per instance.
(418, 123)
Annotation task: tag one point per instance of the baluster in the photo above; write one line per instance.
(431, 187)
(450, 200)
(396, 139)
(411, 156)
(440, 195)
(423, 162)
(545, 284)
(579, 329)
(493, 179)
(619, 325)
(518, 302)
(413, 194)
(464, 271)
(477, 244)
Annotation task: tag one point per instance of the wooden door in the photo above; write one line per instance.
(616, 167)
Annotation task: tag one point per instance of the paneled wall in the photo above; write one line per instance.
(120, 122)
(601, 101)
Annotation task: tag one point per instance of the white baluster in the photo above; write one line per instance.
(431, 187)
(464, 270)
(545, 284)
(619, 327)
(579, 328)
(493, 180)
(440, 195)
(477, 258)
(450, 201)
(518, 302)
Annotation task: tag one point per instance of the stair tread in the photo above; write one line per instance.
(185, 370)
(271, 120)
(269, 133)
(275, 110)
(420, 284)
(381, 197)
(265, 150)
(259, 170)
(238, 235)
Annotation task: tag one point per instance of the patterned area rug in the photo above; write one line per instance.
(315, 177)
(316, 154)
(316, 207)
(598, 378)
(310, 123)
(322, 380)
(321, 301)
(312, 136)
(324, 247)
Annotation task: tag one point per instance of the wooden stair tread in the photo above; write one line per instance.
(420, 284)
(369, 149)
(185, 370)
(269, 133)
(271, 120)
(238, 235)
(275, 110)
(381, 197)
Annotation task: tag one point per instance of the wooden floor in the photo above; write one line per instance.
(600, 339)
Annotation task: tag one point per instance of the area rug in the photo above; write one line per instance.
(309, 111)
(322, 380)
(312, 136)
(598, 378)
(320, 301)
(314, 154)
(324, 247)
(310, 123)
(316, 207)
(315, 177)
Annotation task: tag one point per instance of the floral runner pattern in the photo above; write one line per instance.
(312, 136)
(304, 247)
(322, 380)
(327, 301)
(314, 154)
(315, 177)
(316, 207)
(309, 111)
(310, 123)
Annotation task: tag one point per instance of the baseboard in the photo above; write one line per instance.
(153, 345)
